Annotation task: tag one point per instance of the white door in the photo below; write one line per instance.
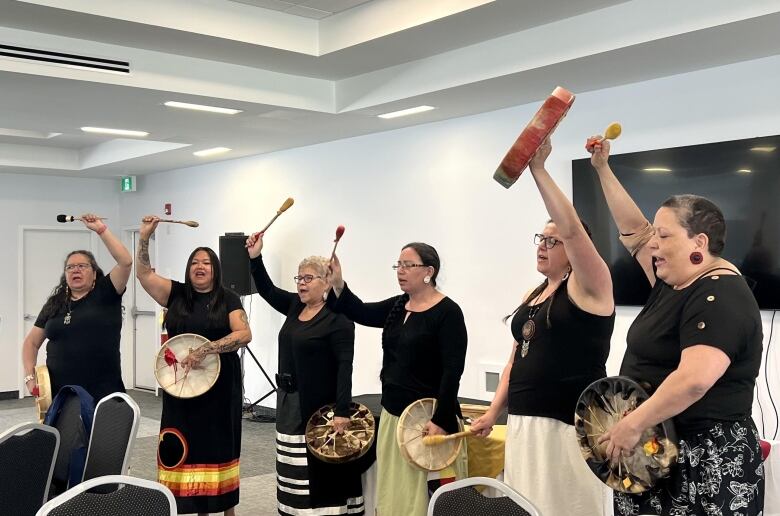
(42, 259)
(146, 339)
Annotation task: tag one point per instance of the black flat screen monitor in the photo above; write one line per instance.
(742, 177)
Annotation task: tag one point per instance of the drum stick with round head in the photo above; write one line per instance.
(612, 132)
(285, 206)
(339, 234)
(432, 440)
(190, 223)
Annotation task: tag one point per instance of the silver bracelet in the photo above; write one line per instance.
(29, 377)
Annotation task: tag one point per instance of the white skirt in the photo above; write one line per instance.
(543, 463)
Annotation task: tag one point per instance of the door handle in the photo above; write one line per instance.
(29, 317)
(134, 312)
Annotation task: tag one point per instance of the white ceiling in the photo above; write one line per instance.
(301, 80)
(314, 9)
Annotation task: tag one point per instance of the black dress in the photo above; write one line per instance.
(85, 351)
(200, 438)
(719, 470)
(315, 369)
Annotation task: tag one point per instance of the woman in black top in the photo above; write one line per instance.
(562, 332)
(697, 343)
(424, 351)
(316, 347)
(200, 438)
(83, 321)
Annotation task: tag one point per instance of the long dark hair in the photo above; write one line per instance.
(59, 297)
(535, 293)
(181, 307)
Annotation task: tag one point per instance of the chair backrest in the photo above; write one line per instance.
(460, 497)
(27, 453)
(113, 433)
(71, 414)
(127, 496)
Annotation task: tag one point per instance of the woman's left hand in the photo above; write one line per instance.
(340, 424)
(621, 439)
(92, 221)
(192, 360)
(433, 429)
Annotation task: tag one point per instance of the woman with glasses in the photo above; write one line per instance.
(424, 351)
(82, 318)
(316, 347)
(562, 332)
(200, 438)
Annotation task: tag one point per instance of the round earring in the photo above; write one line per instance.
(696, 258)
(427, 279)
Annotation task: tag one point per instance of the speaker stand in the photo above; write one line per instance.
(270, 382)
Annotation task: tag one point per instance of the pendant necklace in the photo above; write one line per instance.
(529, 327)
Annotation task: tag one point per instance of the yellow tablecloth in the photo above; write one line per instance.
(486, 455)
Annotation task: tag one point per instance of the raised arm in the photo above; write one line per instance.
(632, 224)
(280, 300)
(590, 274)
(342, 300)
(155, 285)
(120, 273)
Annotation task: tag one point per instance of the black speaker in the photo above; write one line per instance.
(236, 274)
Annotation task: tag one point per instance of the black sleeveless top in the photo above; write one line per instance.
(562, 359)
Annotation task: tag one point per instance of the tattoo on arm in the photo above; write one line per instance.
(244, 320)
(223, 345)
(143, 262)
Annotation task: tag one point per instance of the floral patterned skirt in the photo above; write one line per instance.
(719, 473)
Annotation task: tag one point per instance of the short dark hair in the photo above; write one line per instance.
(697, 215)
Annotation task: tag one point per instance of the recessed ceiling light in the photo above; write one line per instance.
(211, 152)
(200, 107)
(114, 132)
(405, 112)
(23, 133)
(657, 169)
(744, 171)
(763, 148)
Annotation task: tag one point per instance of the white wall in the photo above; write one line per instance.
(433, 183)
(29, 200)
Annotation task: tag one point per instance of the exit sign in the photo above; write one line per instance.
(128, 183)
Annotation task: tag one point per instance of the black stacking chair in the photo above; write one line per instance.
(114, 428)
(125, 496)
(460, 498)
(27, 453)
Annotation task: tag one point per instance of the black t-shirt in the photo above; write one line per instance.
(423, 357)
(717, 311)
(85, 352)
(562, 360)
(198, 320)
(317, 353)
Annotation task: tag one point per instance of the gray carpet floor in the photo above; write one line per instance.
(258, 455)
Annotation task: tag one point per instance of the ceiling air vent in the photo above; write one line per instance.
(97, 64)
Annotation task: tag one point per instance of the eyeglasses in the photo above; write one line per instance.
(549, 242)
(80, 266)
(307, 278)
(402, 265)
